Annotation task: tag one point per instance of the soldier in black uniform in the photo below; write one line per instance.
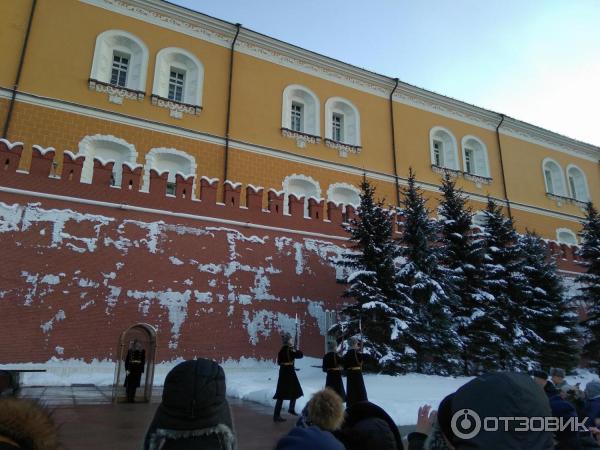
(134, 366)
(332, 365)
(288, 386)
(352, 363)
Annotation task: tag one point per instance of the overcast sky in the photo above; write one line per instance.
(535, 60)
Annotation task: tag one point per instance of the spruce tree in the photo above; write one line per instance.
(463, 256)
(554, 319)
(505, 280)
(422, 283)
(589, 293)
(372, 285)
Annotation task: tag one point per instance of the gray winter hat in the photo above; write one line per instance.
(592, 389)
(557, 372)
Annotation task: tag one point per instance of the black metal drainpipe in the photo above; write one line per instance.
(11, 104)
(502, 167)
(394, 142)
(225, 163)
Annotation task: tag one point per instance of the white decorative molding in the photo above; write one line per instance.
(301, 138)
(571, 167)
(446, 170)
(478, 180)
(221, 33)
(558, 179)
(108, 144)
(287, 191)
(331, 193)
(152, 162)
(450, 148)
(343, 149)
(311, 115)
(351, 120)
(567, 231)
(479, 147)
(115, 94)
(176, 108)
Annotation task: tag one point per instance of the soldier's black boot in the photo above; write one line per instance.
(292, 408)
(277, 413)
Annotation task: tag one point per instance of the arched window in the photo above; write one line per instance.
(566, 236)
(178, 77)
(475, 159)
(108, 148)
(121, 61)
(344, 193)
(172, 161)
(342, 121)
(577, 183)
(300, 110)
(444, 152)
(554, 178)
(300, 185)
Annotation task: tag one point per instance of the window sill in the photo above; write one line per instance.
(301, 138)
(176, 108)
(479, 180)
(342, 148)
(560, 199)
(445, 170)
(116, 94)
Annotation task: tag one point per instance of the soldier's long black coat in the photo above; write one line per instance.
(332, 365)
(135, 363)
(355, 384)
(288, 386)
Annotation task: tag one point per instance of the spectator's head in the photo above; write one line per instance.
(309, 438)
(27, 425)
(193, 404)
(592, 389)
(567, 391)
(495, 395)
(325, 410)
(353, 341)
(286, 339)
(557, 375)
(540, 377)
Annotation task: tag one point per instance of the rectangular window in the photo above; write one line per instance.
(469, 160)
(337, 127)
(549, 184)
(176, 83)
(437, 153)
(297, 117)
(120, 66)
(171, 188)
(573, 190)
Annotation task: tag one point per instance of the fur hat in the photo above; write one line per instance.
(556, 372)
(325, 410)
(28, 424)
(592, 389)
(286, 337)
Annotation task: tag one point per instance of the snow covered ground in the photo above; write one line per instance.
(253, 380)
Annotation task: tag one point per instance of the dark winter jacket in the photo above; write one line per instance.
(367, 426)
(503, 394)
(566, 439)
(194, 413)
(309, 438)
(591, 410)
(435, 440)
(27, 424)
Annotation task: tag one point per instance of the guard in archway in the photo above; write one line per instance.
(332, 365)
(134, 366)
(288, 386)
(352, 362)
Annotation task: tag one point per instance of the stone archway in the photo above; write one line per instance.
(146, 335)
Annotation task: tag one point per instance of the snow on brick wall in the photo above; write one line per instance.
(75, 276)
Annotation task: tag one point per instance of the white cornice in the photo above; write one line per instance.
(255, 44)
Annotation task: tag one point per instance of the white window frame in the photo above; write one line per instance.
(151, 158)
(482, 148)
(449, 145)
(311, 118)
(568, 231)
(563, 193)
(287, 191)
(184, 61)
(121, 68)
(297, 116)
(120, 41)
(87, 147)
(351, 120)
(585, 183)
(177, 84)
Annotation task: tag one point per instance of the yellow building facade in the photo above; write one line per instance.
(148, 82)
